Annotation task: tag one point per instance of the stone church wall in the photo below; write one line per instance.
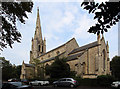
(52, 53)
(92, 52)
(71, 45)
(29, 72)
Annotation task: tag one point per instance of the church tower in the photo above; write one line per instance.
(38, 44)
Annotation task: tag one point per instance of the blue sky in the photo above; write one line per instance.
(60, 22)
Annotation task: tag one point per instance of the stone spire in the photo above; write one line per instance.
(107, 47)
(38, 32)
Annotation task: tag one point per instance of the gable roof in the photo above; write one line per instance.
(93, 44)
(57, 47)
(52, 58)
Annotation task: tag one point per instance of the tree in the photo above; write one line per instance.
(115, 67)
(59, 68)
(6, 69)
(9, 70)
(10, 13)
(39, 71)
(18, 71)
(107, 15)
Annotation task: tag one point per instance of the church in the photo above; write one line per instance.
(88, 61)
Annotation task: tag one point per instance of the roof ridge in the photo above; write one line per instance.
(58, 46)
(92, 44)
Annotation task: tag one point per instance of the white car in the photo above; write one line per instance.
(39, 83)
(116, 84)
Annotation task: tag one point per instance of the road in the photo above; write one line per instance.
(80, 87)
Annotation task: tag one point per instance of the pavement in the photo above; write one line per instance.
(80, 87)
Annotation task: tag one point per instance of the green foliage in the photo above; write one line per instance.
(10, 13)
(115, 67)
(73, 74)
(87, 82)
(9, 70)
(59, 68)
(39, 69)
(105, 80)
(36, 62)
(107, 15)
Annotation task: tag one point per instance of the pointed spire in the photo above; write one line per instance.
(23, 61)
(102, 36)
(107, 47)
(38, 32)
(44, 39)
(38, 18)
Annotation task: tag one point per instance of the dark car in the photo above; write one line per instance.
(15, 85)
(66, 82)
(25, 81)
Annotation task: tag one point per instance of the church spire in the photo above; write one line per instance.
(38, 33)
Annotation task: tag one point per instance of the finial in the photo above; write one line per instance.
(44, 38)
(102, 36)
(98, 36)
(107, 43)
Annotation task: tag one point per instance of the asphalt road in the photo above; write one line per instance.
(80, 87)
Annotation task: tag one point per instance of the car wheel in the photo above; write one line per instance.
(71, 85)
(39, 84)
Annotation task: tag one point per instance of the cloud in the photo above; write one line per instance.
(67, 0)
(84, 23)
(59, 22)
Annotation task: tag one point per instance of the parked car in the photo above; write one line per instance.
(116, 84)
(25, 81)
(15, 85)
(39, 83)
(13, 80)
(69, 82)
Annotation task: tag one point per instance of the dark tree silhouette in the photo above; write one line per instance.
(59, 68)
(10, 12)
(107, 15)
(115, 67)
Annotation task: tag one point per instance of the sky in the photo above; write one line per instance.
(60, 22)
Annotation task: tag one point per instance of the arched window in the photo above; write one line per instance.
(84, 67)
(42, 48)
(39, 48)
(47, 70)
(104, 59)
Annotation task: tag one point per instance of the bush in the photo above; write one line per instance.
(105, 80)
(87, 82)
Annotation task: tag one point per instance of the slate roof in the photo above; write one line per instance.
(74, 57)
(29, 65)
(52, 58)
(85, 47)
(47, 60)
